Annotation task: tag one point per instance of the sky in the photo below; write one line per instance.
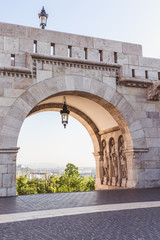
(43, 142)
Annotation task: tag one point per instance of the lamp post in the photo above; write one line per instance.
(43, 18)
(64, 113)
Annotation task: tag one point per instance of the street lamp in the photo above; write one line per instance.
(43, 18)
(64, 113)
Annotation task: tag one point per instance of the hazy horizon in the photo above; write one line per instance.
(54, 166)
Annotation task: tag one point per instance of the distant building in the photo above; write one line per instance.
(21, 166)
(37, 175)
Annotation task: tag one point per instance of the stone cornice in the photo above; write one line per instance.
(135, 82)
(74, 60)
(9, 150)
(113, 69)
(15, 71)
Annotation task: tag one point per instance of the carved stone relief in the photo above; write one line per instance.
(122, 161)
(153, 91)
(105, 163)
(114, 163)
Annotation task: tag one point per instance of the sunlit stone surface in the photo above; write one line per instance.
(110, 88)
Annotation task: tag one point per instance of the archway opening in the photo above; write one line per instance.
(105, 125)
(44, 143)
(47, 149)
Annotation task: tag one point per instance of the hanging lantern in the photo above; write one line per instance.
(64, 113)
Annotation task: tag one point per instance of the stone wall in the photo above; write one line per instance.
(113, 74)
(19, 40)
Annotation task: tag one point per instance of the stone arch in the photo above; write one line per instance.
(103, 94)
(90, 88)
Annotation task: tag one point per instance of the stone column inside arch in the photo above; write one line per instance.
(8, 171)
(99, 169)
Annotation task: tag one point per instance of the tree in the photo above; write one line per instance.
(70, 181)
(71, 170)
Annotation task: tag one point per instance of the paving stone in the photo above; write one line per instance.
(37, 202)
(126, 225)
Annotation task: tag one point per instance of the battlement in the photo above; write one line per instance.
(16, 41)
(24, 36)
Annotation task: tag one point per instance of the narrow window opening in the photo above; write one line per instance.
(35, 47)
(146, 74)
(69, 51)
(12, 60)
(133, 72)
(85, 53)
(52, 49)
(101, 55)
(115, 57)
(158, 75)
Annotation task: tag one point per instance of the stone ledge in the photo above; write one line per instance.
(137, 150)
(74, 60)
(15, 72)
(9, 150)
(135, 82)
(15, 69)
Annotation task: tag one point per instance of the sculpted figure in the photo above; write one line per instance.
(105, 160)
(122, 157)
(113, 158)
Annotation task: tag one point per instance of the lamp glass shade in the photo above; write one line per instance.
(43, 20)
(64, 118)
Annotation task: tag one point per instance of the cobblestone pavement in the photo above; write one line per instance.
(40, 202)
(141, 224)
(136, 224)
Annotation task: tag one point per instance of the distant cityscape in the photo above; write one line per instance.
(42, 173)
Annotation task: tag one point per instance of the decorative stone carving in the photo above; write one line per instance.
(105, 163)
(113, 161)
(122, 161)
(153, 91)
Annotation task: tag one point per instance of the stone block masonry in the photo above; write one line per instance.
(38, 67)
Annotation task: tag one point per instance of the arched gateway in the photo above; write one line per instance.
(110, 88)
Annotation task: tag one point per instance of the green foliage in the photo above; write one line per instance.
(88, 184)
(70, 181)
(71, 170)
(25, 186)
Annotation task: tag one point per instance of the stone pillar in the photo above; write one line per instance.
(134, 178)
(131, 169)
(8, 171)
(99, 169)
